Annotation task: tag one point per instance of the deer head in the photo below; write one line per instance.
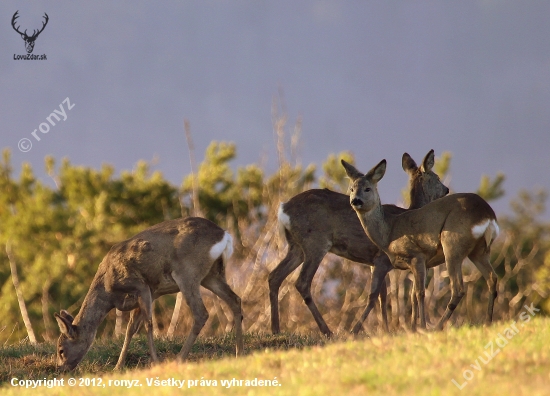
(364, 194)
(425, 185)
(71, 347)
(29, 40)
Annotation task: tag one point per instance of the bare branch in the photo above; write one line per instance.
(20, 299)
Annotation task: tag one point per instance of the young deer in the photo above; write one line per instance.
(176, 255)
(459, 226)
(320, 221)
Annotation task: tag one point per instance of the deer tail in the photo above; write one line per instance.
(491, 232)
(223, 248)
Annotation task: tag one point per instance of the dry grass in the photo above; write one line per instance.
(38, 362)
(404, 363)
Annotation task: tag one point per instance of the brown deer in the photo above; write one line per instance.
(458, 225)
(175, 255)
(320, 221)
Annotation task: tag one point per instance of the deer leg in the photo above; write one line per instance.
(382, 299)
(394, 296)
(200, 316)
(382, 266)
(480, 258)
(293, 259)
(454, 268)
(303, 285)
(145, 302)
(217, 285)
(418, 267)
(414, 308)
(133, 326)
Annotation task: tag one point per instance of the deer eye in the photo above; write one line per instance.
(351, 189)
(367, 189)
(61, 352)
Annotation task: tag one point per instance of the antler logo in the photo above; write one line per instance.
(29, 40)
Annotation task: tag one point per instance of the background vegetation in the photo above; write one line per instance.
(53, 237)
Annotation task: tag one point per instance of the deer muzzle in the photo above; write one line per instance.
(356, 203)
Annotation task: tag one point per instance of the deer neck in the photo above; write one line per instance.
(376, 225)
(95, 307)
(417, 196)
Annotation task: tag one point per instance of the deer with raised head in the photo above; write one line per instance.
(459, 226)
(173, 256)
(318, 221)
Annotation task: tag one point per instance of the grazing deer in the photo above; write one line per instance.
(320, 221)
(176, 255)
(458, 225)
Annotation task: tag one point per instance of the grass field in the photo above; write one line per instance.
(506, 358)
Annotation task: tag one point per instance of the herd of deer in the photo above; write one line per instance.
(182, 255)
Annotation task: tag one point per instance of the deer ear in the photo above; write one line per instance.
(351, 171)
(428, 162)
(408, 163)
(65, 326)
(376, 173)
(66, 315)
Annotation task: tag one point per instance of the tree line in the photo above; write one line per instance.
(53, 237)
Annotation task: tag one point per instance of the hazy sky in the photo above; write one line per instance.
(375, 77)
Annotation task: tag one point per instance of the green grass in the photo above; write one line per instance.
(38, 362)
(412, 364)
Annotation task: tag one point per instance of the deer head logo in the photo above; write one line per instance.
(29, 40)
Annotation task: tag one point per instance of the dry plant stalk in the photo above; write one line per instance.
(20, 299)
(196, 204)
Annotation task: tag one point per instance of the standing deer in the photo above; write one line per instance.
(175, 255)
(320, 221)
(458, 225)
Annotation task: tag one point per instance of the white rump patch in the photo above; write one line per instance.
(284, 220)
(223, 247)
(489, 228)
(479, 230)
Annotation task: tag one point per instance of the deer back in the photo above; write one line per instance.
(153, 254)
(458, 213)
(319, 218)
